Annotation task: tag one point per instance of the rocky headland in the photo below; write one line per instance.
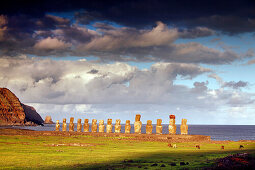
(48, 120)
(13, 112)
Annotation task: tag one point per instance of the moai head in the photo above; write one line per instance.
(159, 121)
(71, 119)
(64, 120)
(172, 116)
(127, 122)
(149, 122)
(57, 121)
(184, 121)
(94, 121)
(79, 121)
(101, 122)
(109, 121)
(86, 121)
(117, 121)
(137, 117)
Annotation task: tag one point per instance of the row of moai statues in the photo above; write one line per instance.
(137, 126)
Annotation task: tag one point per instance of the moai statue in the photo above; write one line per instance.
(172, 126)
(138, 124)
(57, 125)
(64, 125)
(79, 125)
(109, 126)
(101, 126)
(94, 125)
(71, 125)
(184, 127)
(127, 126)
(149, 127)
(86, 125)
(159, 126)
(117, 126)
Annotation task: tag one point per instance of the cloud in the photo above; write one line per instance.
(189, 14)
(235, 85)
(20, 33)
(196, 32)
(217, 78)
(68, 87)
(51, 44)
(83, 82)
(146, 13)
(229, 24)
(230, 84)
(251, 62)
(108, 43)
(157, 44)
(129, 37)
(3, 28)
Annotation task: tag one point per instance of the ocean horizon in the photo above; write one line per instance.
(217, 132)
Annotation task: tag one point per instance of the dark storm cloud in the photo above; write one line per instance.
(107, 42)
(152, 27)
(18, 34)
(227, 16)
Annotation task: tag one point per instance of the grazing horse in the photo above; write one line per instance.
(241, 147)
(174, 146)
(198, 146)
(169, 145)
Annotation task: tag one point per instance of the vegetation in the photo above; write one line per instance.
(58, 152)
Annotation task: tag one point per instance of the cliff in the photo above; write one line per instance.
(13, 112)
(32, 115)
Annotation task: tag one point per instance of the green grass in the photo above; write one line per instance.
(42, 152)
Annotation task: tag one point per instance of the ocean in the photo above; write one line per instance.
(217, 132)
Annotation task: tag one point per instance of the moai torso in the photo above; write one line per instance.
(64, 125)
(79, 125)
(149, 127)
(71, 125)
(109, 126)
(117, 126)
(184, 127)
(86, 125)
(94, 125)
(138, 124)
(127, 126)
(57, 125)
(101, 126)
(159, 126)
(172, 126)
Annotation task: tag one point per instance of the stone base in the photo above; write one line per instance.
(139, 137)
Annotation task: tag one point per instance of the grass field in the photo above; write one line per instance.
(60, 152)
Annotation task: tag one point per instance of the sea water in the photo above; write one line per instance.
(217, 132)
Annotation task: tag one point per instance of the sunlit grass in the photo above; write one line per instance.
(42, 152)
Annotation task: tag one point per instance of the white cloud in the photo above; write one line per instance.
(82, 87)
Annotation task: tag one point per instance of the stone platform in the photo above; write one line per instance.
(139, 137)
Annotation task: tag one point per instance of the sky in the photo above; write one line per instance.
(115, 59)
